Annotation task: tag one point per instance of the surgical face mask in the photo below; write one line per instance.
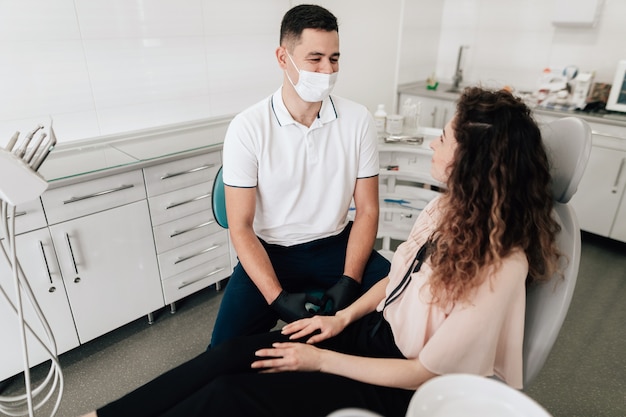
(312, 86)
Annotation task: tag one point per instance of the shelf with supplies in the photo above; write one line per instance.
(406, 187)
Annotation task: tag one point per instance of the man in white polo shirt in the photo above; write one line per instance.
(292, 165)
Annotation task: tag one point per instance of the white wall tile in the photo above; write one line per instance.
(139, 19)
(132, 71)
(155, 113)
(244, 16)
(38, 19)
(43, 77)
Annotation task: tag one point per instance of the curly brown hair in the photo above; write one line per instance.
(498, 196)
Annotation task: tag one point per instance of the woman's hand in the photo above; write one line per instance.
(324, 327)
(288, 356)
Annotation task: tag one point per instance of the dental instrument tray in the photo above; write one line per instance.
(405, 139)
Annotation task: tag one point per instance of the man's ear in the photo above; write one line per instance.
(281, 57)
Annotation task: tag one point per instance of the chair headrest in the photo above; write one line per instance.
(568, 144)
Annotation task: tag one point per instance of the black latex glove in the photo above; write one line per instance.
(341, 295)
(293, 306)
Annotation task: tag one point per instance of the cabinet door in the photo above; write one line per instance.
(619, 224)
(39, 263)
(109, 266)
(433, 112)
(599, 191)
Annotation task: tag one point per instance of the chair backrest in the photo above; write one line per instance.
(218, 200)
(568, 144)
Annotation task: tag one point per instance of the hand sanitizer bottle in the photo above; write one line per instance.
(380, 117)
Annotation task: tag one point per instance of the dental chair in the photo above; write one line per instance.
(568, 145)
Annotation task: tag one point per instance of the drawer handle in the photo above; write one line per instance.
(176, 174)
(69, 246)
(186, 258)
(171, 206)
(186, 284)
(18, 214)
(619, 175)
(45, 261)
(178, 233)
(85, 197)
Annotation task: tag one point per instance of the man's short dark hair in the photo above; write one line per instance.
(305, 16)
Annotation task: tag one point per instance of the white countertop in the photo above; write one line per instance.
(419, 88)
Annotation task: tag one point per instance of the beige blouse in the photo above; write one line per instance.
(482, 336)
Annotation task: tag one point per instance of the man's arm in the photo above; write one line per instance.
(363, 232)
(240, 209)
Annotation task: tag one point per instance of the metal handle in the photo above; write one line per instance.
(85, 197)
(176, 174)
(619, 174)
(45, 261)
(186, 258)
(178, 233)
(69, 246)
(445, 117)
(188, 283)
(434, 114)
(171, 206)
(18, 214)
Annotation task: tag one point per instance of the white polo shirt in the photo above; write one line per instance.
(304, 177)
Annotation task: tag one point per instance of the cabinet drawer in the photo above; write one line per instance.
(195, 279)
(193, 254)
(180, 203)
(184, 230)
(29, 216)
(171, 176)
(88, 197)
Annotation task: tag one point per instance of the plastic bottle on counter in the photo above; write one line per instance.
(380, 116)
(411, 113)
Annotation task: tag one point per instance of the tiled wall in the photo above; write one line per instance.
(100, 67)
(106, 66)
(512, 41)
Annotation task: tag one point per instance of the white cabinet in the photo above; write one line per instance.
(619, 225)
(101, 234)
(37, 257)
(599, 201)
(600, 191)
(193, 250)
(433, 112)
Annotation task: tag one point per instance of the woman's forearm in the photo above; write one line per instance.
(395, 373)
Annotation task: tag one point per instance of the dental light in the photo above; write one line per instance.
(19, 184)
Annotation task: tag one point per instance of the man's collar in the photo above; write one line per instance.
(327, 112)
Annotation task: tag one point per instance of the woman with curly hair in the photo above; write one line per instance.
(454, 300)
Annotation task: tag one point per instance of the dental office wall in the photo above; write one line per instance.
(101, 67)
(511, 42)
